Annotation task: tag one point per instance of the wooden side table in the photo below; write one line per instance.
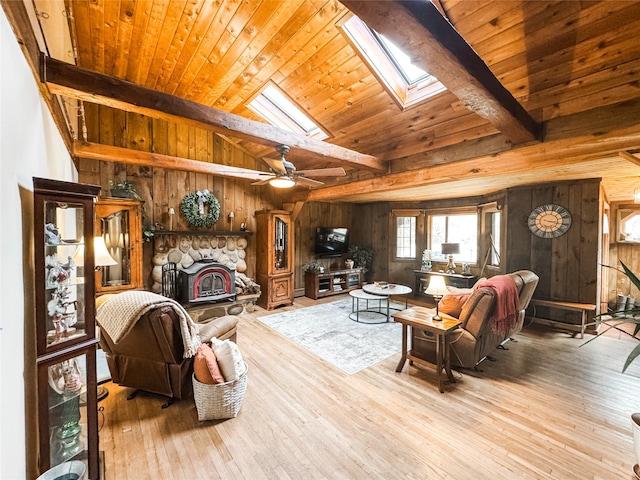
(422, 318)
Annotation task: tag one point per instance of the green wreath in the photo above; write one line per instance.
(193, 208)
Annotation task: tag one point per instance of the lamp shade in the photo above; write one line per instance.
(450, 248)
(437, 287)
(282, 182)
(102, 256)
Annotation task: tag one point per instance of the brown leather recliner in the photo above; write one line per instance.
(150, 356)
(475, 339)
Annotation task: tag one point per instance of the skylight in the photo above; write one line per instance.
(407, 83)
(411, 73)
(279, 111)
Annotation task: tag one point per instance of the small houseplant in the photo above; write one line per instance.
(363, 256)
(313, 266)
(125, 189)
(630, 316)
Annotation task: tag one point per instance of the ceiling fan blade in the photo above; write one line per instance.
(265, 181)
(307, 182)
(276, 165)
(323, 172)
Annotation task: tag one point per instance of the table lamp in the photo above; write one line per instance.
(450, 249)
(437, 289)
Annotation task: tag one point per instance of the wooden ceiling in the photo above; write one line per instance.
(569, 69)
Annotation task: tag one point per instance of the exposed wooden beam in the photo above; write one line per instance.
(75, 82)
(94, 151)
(630, 157)
(433, 43)
(512, 162)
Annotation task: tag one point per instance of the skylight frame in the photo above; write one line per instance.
(280, 111)
(368, 47)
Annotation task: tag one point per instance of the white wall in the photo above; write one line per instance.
(30, 146)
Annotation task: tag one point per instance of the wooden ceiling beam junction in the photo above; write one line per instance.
(75, 82)
(420, 29)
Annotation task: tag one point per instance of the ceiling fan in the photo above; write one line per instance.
(285, 175)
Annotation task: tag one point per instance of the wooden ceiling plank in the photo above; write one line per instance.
(139, 65)
(75, 82)
(187, 31)
(605, 96)
(422, 32)
(493, 18)
(139, 37)
(587, 57)
(263, 25)
(215, 41)
(292, 53)
(238, 33)
(126, 17)
(109, 153)
(595, 20)
(593, 82)
(269, 53)
(111, 12)
(83, 24)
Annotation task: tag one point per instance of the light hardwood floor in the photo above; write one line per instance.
(544, 409)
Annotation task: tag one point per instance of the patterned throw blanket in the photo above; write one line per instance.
(505, 312)
(119, 314)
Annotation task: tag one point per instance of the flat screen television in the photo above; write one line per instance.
(331, 242)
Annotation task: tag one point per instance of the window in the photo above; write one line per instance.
(278, 110)
(405, 237)
(401, 61)
(454, 228)
(629, 225)
(494, 238)
(407, 84)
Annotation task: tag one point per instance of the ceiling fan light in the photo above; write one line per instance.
(282, 182)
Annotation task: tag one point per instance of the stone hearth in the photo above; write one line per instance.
(184, 249)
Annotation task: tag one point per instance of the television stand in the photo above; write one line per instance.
(318, 285)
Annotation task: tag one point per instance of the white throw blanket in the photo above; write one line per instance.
(119, 314)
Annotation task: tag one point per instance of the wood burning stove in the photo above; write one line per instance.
(207, 281)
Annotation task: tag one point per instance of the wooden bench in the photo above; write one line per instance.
(583, 308)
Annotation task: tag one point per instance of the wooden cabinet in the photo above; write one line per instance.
(65, 324)
(318, 285)
(119, 223)
(274, 258)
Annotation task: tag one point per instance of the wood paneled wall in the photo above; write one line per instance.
(162, 189)
(319, 214)
(567, 265)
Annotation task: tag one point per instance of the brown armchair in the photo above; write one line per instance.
(150, 356)
(475, 340)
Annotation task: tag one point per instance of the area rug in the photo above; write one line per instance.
(327, 331)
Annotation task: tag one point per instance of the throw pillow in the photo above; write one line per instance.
(205, 366)
(452, 304)
(229, 358)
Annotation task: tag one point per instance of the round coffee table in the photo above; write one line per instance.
(387, 291)
(359, 294)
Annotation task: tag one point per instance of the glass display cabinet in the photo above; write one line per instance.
(274, 262)
(65, 323)
(118, 227)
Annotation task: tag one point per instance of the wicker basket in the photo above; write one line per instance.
(222, 400)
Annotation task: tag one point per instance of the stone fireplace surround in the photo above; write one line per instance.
(226, 248)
